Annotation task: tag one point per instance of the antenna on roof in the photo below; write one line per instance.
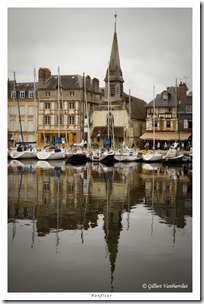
(115, 20)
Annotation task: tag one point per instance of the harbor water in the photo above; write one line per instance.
(126, 227)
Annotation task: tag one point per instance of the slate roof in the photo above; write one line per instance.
(20, 86)
(68, 82)
(159, 102)
(138, 107)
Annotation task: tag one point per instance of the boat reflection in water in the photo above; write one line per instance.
(92, 227)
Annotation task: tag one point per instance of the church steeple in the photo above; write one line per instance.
(115, 71)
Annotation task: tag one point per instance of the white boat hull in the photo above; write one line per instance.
(126, 158)
(45, 155)
(23, 154)
(154, 157)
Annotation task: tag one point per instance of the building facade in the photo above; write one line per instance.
(22, 112)
(169, 117)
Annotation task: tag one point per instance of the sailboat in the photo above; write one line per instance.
(24, 149)
(127, 154)
(174, 155)
(79, 154)
(152, 156)
(104, 154)
(53, 151)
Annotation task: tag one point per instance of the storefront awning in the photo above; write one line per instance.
(118, 131)
(165, 136)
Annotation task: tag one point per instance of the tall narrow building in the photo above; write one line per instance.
(114, 75)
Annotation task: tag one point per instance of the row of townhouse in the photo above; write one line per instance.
(68, 106)
(35, 113)
(167, 118)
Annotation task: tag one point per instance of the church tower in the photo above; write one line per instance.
(114, 76)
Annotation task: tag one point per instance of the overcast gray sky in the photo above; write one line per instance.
(155, 44)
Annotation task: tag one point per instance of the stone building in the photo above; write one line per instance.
(22, 111)
(169, 117)
(64, 101)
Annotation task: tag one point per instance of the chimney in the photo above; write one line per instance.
(96, 85)
(43, 75)
(182, 91)
(88, 82)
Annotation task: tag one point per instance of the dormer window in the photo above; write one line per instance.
(30, 94)
(165, 96)
(22, 94)
(13, 94)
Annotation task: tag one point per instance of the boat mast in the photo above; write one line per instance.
(130, 111)
(35, 112)
(58, 114)
(108, 101)
(19, 116)
(14, 96)
(177, 124)
(154, 117)
(86, 119)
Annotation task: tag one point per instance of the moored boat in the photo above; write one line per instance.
(101, 155)
(51, 152)
(174, 155)
(77, 155)
(127, 155)
(152, 156)
(23, 151)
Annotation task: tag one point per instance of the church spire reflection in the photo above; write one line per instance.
(112, 227)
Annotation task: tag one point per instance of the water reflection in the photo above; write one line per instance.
(58, 197)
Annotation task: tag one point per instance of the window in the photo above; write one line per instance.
(47, 94)
(30, 110)
(47, 120)
(190, 125)
(188, 108)
(30, 126)
(71, 93)
(47, 106)
(12, 110)
(71, 105)
(22, 94)
(30, 94)
(12, 124)
(154, 124)
(13, 94)
(165, 95)
(46, 185)
(168, 124)
(22, 110)
(59, 119)
(71, 120)
(187, 124)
